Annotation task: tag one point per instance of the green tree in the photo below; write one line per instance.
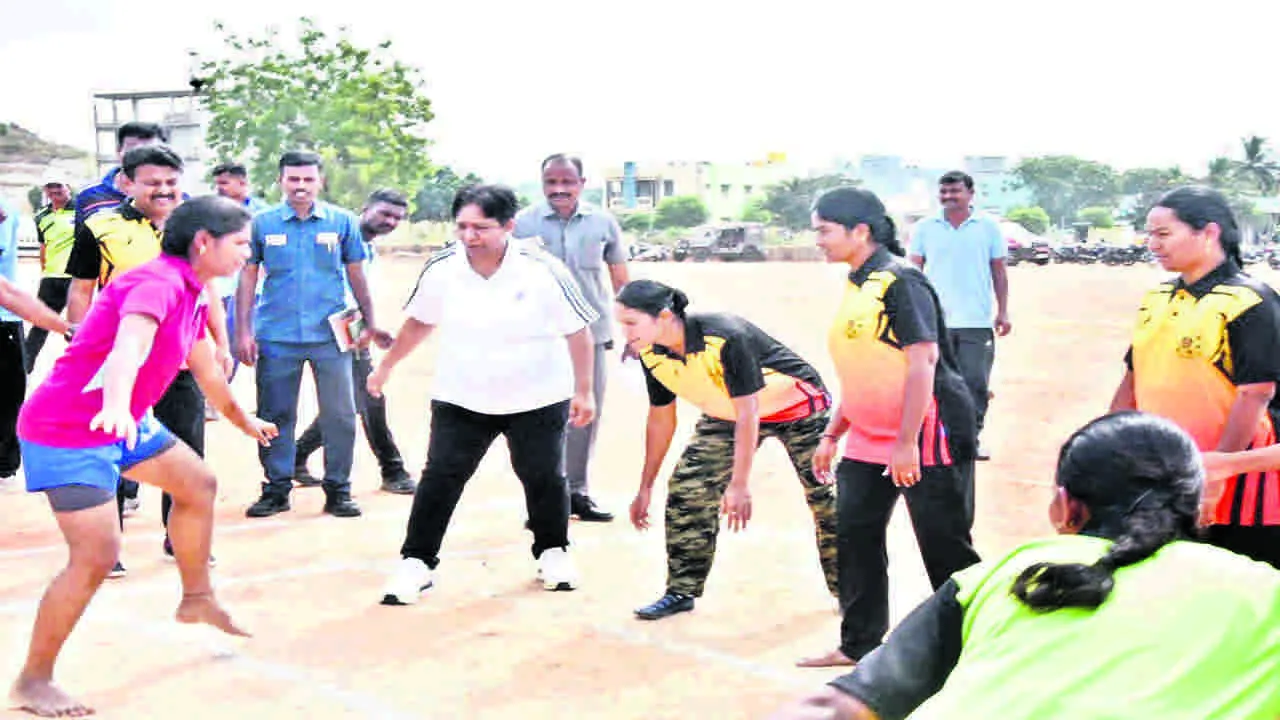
(790, 202)
(1099, 217)
(35, 197)
(1146, 185)
(682, 211)
(1064, 184)
(434, 199)
(637, 222)
(361, 109)
(1256, 166)
(756, 212)
(1033, 219)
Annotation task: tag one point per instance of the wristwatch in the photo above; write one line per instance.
(70, 333)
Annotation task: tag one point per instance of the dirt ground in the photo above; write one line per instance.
(488, 642)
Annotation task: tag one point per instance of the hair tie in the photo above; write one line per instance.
(1134, 506)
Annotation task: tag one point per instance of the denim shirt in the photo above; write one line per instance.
(305, 264)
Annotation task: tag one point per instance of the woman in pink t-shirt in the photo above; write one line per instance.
(90, 422)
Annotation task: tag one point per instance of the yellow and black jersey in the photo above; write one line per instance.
(1192, 346)
(110, 242)
(889, 305)
(727, 357)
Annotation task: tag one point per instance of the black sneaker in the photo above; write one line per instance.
(586, 510)
(399, 484)
(269, 504)
(667, 605)
(342, 506)
(118, 571)
(303, 477)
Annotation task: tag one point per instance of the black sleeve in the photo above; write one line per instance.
(1254, 339)
(911, 309)
(742, 373)
(914, 661)
(659, 395)
(85, 261)
(1128, 358)
(39, 229)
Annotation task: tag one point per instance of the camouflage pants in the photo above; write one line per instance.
(697, 486)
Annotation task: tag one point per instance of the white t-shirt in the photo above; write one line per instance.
(502, 347)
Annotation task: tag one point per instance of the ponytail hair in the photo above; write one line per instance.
(851, 207)
(1197, 206)
(1141, 478)
(652, 297)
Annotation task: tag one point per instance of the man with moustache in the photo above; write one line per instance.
(382, 213)
(113, 241)
(588, 240)
(311, 251)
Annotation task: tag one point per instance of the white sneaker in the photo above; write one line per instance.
(406, 584)
(556, 571)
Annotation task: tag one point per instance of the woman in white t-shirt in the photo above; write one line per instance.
(514, 360)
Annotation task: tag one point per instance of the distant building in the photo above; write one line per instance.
(995, 184)
(725, 188)
(906, 186)
(178, 111)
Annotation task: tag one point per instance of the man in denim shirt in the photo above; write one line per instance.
(305, 246)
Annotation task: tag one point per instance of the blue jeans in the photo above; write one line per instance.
(279, 376)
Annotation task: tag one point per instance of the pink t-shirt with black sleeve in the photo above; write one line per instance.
(59, 411)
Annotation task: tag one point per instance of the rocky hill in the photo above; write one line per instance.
(19, 145)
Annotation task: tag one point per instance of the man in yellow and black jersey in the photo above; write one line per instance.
(110, 243)
(749, 387)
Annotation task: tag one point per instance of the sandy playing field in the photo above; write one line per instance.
(488, 642)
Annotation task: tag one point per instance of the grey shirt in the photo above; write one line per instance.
(586, 243)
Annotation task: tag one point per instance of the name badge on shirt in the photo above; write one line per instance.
(328, 239)
(276, 240)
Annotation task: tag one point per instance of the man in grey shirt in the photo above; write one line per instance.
(589, 241)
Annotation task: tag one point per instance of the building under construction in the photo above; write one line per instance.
(178, 111)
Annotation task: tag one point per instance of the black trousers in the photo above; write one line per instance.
(13, 390)
(459, 440)
(1259, 542)
(53, 292)
(181, 410)
(373, 418)
(975, 353)
(866, 497)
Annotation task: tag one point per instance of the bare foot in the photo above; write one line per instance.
(205, 609)
(43, 698)
(835, 658)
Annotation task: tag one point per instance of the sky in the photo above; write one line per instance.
(1128, 82)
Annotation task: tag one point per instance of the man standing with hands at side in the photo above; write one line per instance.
(963, 254)
(310, 250)
(588, 240)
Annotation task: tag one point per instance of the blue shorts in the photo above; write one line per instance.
(51, 467)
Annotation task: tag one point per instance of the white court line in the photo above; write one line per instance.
(367, 705)
(246, 527)
(706, 654)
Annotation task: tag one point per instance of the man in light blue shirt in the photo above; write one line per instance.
(588, 241)
(310, 250)
(13, 372)
(382, 213)
(963, 254)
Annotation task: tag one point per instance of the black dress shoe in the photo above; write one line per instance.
(667, 605)
(585, 508)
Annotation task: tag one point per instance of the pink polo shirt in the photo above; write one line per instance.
(60, 409)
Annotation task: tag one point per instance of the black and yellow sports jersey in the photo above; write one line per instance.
(727, 357)
(889, 305)
(1192, 346)
(110, 242)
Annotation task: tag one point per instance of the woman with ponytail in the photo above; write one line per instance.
(907, 417)
(1206, 354)
(1119, 615)
(749, 387)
